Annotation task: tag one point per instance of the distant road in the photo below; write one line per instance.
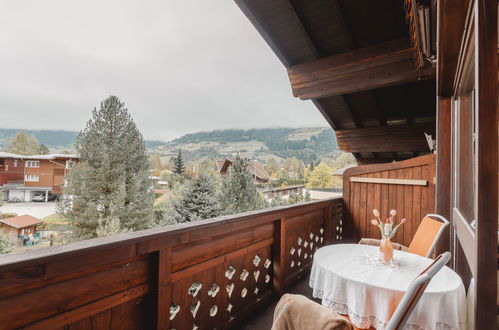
(37, 210)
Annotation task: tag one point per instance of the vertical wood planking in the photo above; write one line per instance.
(370, 206)
(416, 211)
(362, 207)
(411, 202)
(408, 206)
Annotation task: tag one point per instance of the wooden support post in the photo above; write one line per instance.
(279, 248)
(443, 168)
(329, 225)
(164, 288)
(486, 68)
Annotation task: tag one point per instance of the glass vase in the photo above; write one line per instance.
(386, 250)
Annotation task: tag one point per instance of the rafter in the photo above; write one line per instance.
(400, 138)
(382, 65)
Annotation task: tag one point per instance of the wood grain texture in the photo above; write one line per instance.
(397, 138)
(130, 281)
(411, 201)
(382, 65)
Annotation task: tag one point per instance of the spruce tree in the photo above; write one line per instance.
(178, 163)
(239, 193)
(198, 201)
(109, 190)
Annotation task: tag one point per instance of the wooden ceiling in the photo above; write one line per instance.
(354, 61)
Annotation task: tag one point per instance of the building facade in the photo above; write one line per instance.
(23, 177)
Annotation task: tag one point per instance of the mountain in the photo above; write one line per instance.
(56, 140)
(307, 144)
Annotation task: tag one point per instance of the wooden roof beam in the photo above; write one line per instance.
(386, 64)
(400, 138)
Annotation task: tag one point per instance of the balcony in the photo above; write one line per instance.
(218, 273)
(148, 279)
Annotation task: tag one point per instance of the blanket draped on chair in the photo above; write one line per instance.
(297, 312)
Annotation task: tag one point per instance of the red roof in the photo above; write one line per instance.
(255, 168)
(21, 221)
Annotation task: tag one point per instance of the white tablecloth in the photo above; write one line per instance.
(349, 279)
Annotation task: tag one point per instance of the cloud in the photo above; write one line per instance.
(180, 66)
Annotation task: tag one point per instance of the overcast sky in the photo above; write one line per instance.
(180, 66)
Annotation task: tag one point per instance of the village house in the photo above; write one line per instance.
(23, 177)
(19, 226)
(256, 169)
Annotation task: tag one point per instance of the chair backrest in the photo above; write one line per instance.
(427, 235)
(415, 291)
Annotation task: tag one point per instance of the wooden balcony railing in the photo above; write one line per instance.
(206, 274)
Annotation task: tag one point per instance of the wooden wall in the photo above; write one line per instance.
(133, 280)
(411, 201)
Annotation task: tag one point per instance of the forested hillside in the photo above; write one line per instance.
(306, 144)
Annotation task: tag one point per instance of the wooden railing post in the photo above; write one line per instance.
(164, 289)
(279, 261)
(329, 226)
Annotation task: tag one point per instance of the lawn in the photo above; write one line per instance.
(53, 222)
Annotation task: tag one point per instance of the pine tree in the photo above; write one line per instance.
(239, 193)
(178, 163)
(109, 189)
(198, 201)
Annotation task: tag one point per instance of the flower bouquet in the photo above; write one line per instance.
(387, 230)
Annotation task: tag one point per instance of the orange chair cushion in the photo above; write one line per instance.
(425, 236)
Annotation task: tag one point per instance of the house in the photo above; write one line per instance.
(22, 177)
(20, 225)
(256, 169)
(283, 192)
(381, 86)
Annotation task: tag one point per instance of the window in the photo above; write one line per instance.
(31, 178)
(33, 163)
(15, 162)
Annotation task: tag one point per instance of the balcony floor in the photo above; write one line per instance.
(263, 318)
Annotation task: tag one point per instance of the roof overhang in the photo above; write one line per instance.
(360, 63)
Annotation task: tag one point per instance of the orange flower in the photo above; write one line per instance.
(374, 222)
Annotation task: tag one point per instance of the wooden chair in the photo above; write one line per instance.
(399, 317)
(426, 237)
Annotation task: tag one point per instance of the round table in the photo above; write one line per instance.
(350, 280)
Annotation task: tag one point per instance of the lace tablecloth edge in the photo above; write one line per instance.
(366, 321)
